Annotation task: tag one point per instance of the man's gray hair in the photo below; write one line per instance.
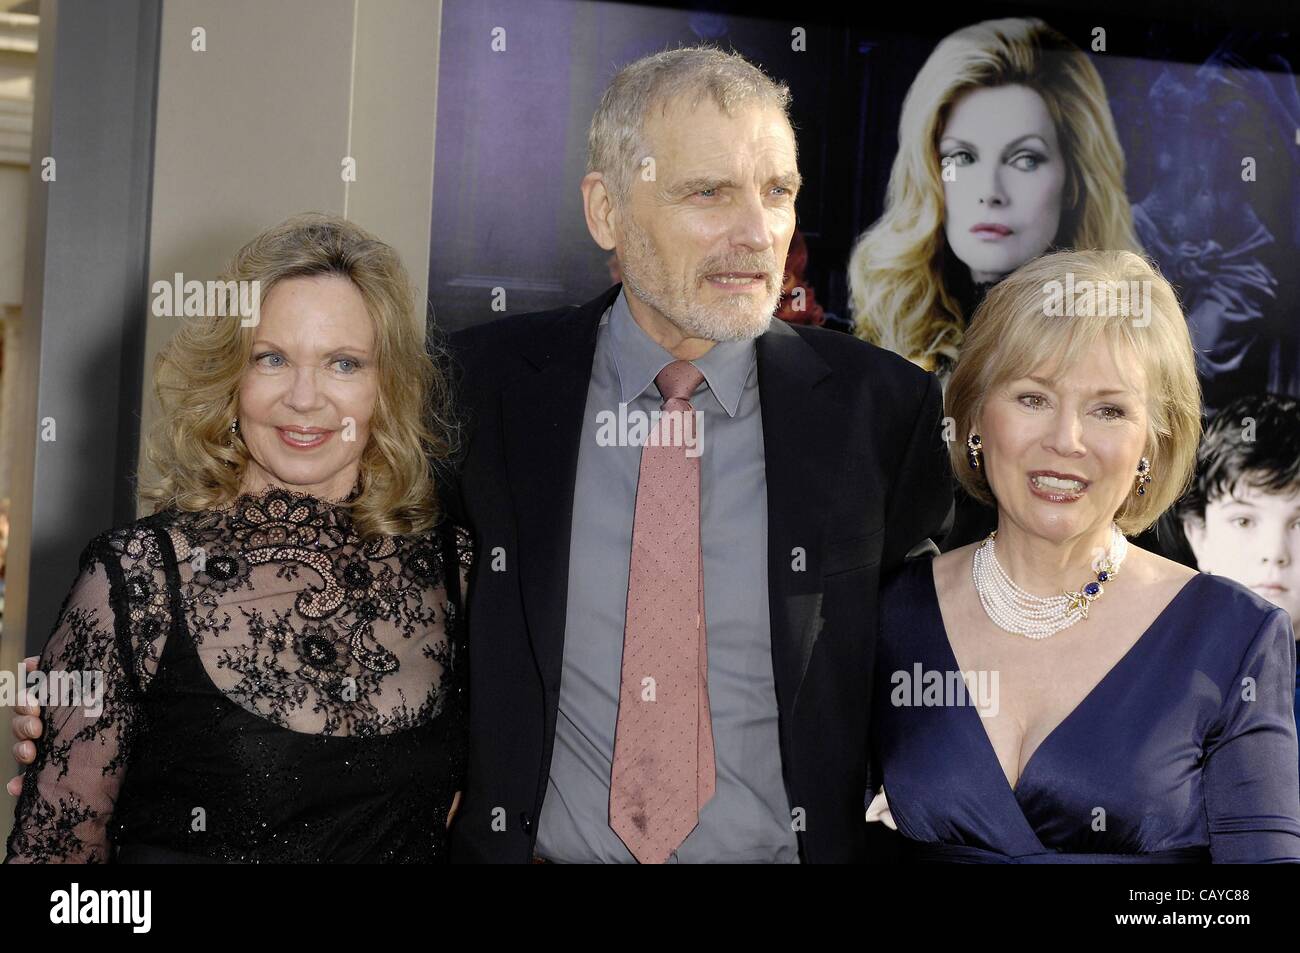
(616, 140)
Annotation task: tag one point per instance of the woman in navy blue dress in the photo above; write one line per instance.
(1054, 694)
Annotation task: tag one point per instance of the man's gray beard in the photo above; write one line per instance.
(693, 322)
(698, 321)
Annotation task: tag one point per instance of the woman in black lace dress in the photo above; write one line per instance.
(282, 674)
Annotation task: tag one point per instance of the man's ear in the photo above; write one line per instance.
(598, 206)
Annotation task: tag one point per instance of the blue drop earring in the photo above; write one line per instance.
(1143, 477)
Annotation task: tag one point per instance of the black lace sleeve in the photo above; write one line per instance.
(458, 556)
(89, 713)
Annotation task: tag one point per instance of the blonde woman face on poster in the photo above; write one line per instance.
(1003, 181)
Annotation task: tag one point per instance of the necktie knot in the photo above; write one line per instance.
(678, 380)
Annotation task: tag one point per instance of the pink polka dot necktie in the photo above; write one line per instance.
(663, 771)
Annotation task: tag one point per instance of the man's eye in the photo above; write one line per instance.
(707, 193)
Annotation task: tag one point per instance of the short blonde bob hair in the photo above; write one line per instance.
(199, 463)
(1016, 331)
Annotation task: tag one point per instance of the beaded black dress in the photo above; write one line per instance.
(274, 689)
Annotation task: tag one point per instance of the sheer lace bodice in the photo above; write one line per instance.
(274, 688)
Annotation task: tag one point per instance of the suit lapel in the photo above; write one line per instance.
(542, 426)
(802, 434)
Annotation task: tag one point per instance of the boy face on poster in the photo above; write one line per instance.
(1251, 535)
(1003, 180)
(1241, 514)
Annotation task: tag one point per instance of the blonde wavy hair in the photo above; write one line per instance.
(1014, 334)
(897, 292)
(199, 463)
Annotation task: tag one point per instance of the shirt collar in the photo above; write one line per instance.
(638, 360)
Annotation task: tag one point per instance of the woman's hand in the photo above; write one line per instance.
(455, 805)
(26, 725)
(878, 810)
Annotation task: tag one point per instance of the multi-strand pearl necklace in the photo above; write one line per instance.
(1036, 617)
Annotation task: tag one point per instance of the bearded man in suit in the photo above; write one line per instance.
(672, 632)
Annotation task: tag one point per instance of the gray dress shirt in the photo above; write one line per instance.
(748, 818)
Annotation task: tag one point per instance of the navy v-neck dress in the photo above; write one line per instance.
(1184, 752)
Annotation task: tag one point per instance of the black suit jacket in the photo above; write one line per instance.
(857, 475)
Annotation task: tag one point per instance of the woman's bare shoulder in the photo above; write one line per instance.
(1153, 569)
(952, 567)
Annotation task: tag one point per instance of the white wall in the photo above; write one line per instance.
(256, 128)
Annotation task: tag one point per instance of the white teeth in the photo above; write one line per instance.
(1056, 483)
(299, 437)
(729, 279)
